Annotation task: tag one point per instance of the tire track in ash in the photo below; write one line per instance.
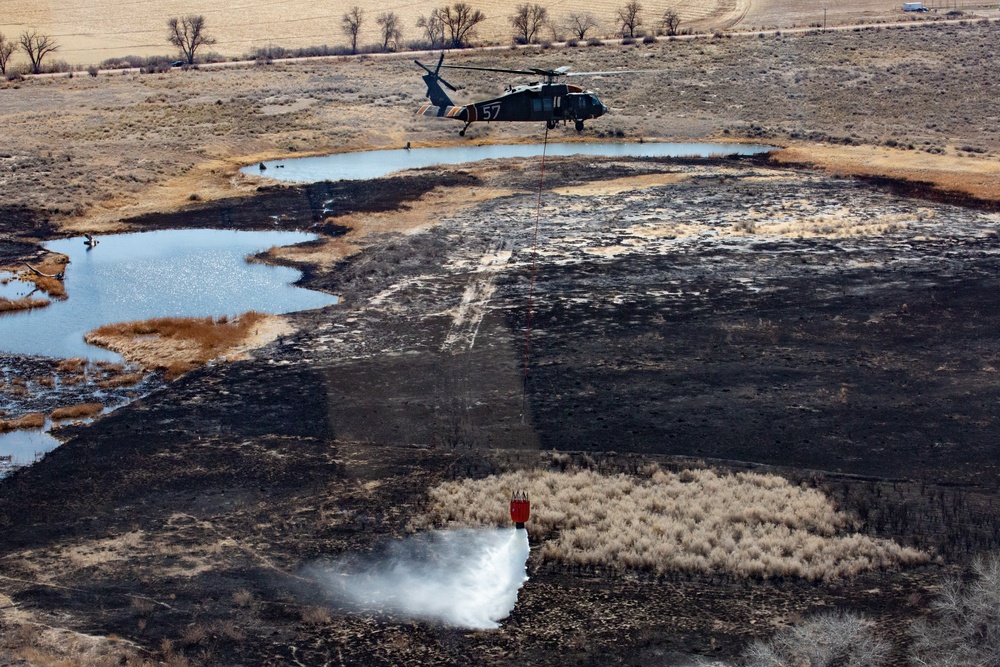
(476, 297)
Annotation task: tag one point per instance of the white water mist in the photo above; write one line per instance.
(466, 578)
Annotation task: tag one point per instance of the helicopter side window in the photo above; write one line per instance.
(547, 104)
(536, 105)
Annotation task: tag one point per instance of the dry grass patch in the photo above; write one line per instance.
(72, 365)
(123, 380)
(616, 186)
(979, 177)
(180, 344)
(315, 616)
(78, 411)
(697, 521)
(24, 303)
(29, 421)
(54, 263)
(425, 212)
(29, 640)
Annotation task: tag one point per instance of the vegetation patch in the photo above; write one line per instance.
(47, 275)
(78, 411)
(695, 521)
(28, 421)
(24, 303)
(179, 344)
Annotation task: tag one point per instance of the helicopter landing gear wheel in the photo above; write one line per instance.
(578, 125)
(462, 131)
(550, 124)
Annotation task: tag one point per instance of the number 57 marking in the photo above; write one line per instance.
(491, 111)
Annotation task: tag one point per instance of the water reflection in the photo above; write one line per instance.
(374, 164)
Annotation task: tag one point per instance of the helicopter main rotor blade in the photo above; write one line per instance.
(562, 71)
(495, 69)
(616, 71)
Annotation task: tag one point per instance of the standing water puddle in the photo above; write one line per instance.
(374, 164)
(175, 273)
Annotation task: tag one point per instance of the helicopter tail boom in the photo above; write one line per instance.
(444, 111)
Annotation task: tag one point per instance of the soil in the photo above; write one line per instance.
(847, 343)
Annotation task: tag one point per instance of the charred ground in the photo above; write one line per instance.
(848, 344)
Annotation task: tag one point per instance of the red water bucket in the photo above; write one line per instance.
(520, 508)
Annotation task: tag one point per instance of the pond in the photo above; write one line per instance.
(173, 273)
(374, 164)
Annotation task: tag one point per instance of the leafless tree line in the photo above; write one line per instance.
(451, 26)
(529, 20)
(34, 45)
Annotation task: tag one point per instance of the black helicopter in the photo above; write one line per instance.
(550, 102)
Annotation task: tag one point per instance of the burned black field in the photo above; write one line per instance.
(722, 313)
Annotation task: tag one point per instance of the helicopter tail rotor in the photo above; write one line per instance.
(434, 81)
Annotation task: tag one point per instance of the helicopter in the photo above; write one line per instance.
(550, 102)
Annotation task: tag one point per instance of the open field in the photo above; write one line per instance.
(90, 33)
(797, 348)
(183, 134)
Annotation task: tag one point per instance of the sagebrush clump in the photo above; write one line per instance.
(697, 521)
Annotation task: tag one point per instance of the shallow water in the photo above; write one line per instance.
(173, 273)
(373, 164)
(25, 446)
(11, 288)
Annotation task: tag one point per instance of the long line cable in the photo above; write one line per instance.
(531, 280)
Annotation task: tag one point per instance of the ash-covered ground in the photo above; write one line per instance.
(724, 310)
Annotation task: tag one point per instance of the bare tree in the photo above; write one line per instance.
(965, 629)
(433, 27)
(390, 27)
(528, 21)
(36, 47)
(6, 51)
(670, 22)
(460, 21)
(828, 640)
(350, 23)
(581, 24)
(187, 33)
(629, 17)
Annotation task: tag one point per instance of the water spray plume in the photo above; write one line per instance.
(465, 578)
